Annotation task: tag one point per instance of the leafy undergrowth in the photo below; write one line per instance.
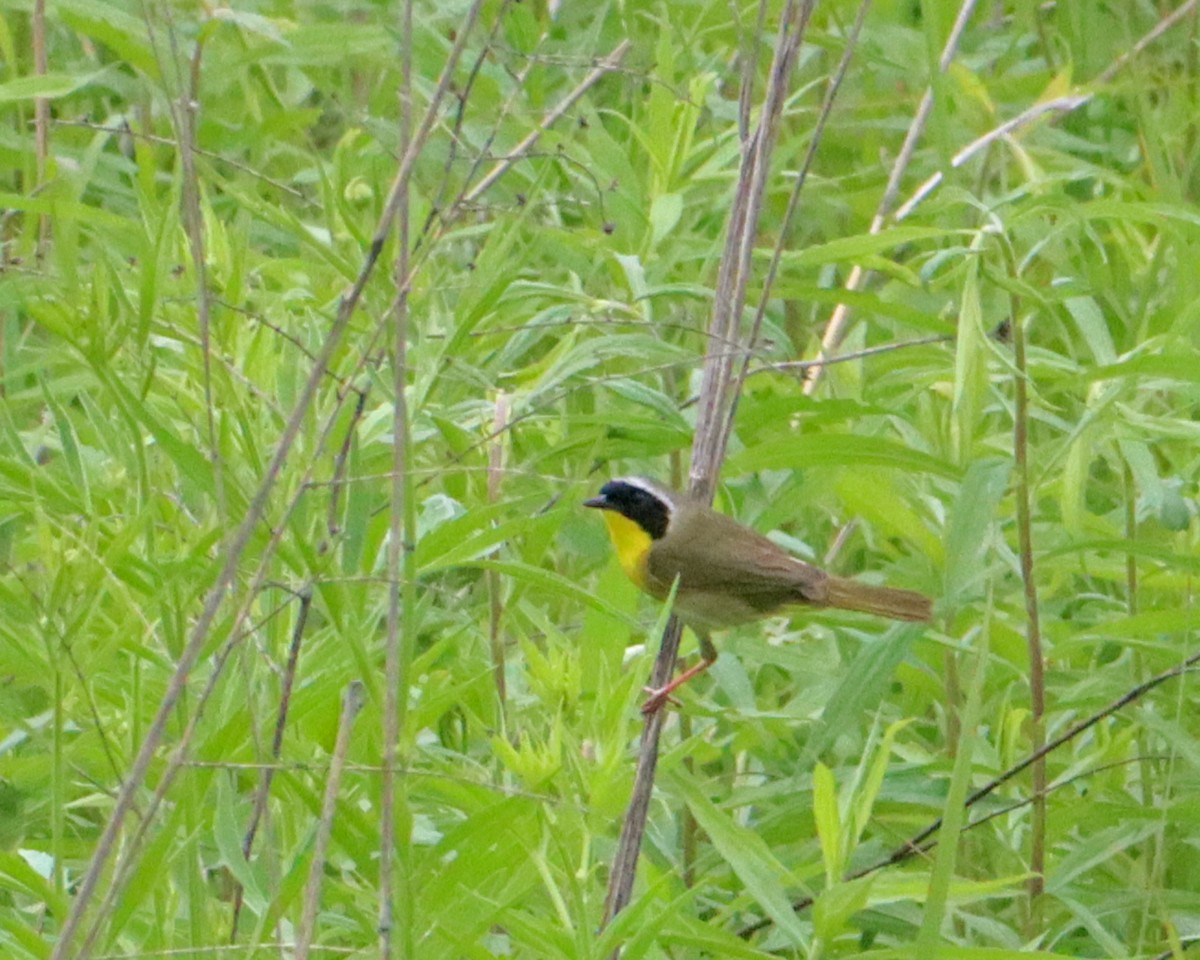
(556, 326)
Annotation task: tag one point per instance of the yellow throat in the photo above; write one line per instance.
(632, 543)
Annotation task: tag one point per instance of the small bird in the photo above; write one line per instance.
(728, 574)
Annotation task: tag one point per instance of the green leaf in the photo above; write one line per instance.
(865, 797)
(48, 86)
(836, 904)
(974, 512)
(862, 684)
(193, 466)
(850, 249)
(1086, 313)
(665, 212)
(929, 939)
(745, 851)
(832, 449)
(476, 533)
(1151, 366)
(16, 875)
(829, 822)
(552, 583)
(228, 834)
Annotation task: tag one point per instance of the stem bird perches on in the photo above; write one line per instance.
(718, 392)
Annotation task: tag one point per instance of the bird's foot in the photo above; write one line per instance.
(657, 698)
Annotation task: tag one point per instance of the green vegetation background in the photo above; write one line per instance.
(556, 330)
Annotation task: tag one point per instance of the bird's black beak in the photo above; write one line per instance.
(600, 502)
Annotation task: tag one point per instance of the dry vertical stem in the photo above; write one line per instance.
(495, 475)
(401, 533)
(831, 91)
(186, 112)
(332, 524)
(717, 394)
(1037, 680)
(352, 701)
(717, 389)
(41, 118)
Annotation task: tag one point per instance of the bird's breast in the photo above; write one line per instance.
(632, 544)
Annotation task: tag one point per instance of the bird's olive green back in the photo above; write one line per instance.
(714, 554)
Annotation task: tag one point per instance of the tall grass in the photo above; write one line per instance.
(258, 445)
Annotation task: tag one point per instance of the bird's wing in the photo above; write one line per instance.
(713, 555)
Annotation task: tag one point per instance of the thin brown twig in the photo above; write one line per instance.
(521, 152)
(401, 531)
(332, 524)
(263, 792)
(352, 702)
(41, 119)
(125, 130)
(186, 111)
(1033, 632)
(495, 476)
(920, 850)
(602, 69)
(1057, 785)
(524, 149)
(806, 365)
(455, 137)
(1131, 696)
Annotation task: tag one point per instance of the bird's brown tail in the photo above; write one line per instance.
(883, 601)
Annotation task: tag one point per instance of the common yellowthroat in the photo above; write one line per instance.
(728, 574)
